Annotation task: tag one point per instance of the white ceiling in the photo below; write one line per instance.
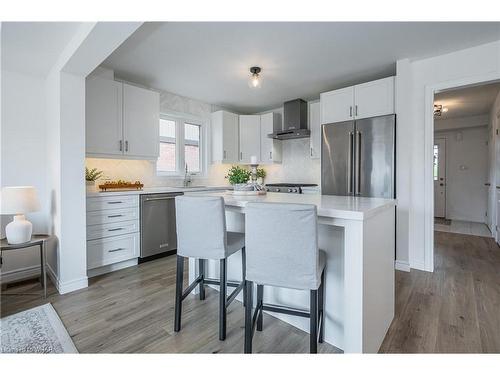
(33, 47)
(211, 61)
(467, 101)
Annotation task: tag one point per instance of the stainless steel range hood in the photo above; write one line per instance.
(294, 121)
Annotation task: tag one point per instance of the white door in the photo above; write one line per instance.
(249, 137)
(141, 122)
(103, 117)
(439, 171)
(315, 128)
(375, 98)
(337, 106)
(270, 149)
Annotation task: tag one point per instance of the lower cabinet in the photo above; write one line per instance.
(105, 251)
(113, 231)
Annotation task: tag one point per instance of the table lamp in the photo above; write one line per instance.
(17, 201)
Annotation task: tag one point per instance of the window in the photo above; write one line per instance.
(181, 145)
(435, 169)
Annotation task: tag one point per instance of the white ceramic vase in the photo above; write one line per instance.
(19, 230)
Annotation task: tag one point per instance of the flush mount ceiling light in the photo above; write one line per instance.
(255, 80)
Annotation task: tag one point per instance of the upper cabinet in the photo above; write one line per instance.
(121, 120)
(315, 128)
(249, 137)
(369, 99)
(103, 116)
(270, 149)
(225, 138)
(141, 116)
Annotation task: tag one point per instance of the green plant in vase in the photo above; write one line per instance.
(238, 176)
(92, 175)
(261, 175)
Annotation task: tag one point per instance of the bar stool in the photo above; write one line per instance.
(201, 234)
(282, 251)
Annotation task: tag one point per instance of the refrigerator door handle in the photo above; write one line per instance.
(357, 165)
(349, 163)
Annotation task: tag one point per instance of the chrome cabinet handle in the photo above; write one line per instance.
(115, 202)
(121, 145)
(126, 146)
(241, 155)
(115, 229)
(356, 110)
(270, 154)
(350, 111)
(118, 249)
(111, 216)
(310, 151)
(158, 199)
(224, 154)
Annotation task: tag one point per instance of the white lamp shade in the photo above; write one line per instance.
(19, 200)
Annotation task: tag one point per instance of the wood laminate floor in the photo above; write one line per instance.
(455, 309)
(132, 311)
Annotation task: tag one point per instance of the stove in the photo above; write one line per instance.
(288, 188)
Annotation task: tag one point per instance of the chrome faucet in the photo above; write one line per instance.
(187, 177)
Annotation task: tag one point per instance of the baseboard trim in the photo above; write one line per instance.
(402, 265)
(67, 286)
(20, 274)
(418, 266)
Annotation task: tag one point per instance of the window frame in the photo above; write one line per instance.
(180, 119)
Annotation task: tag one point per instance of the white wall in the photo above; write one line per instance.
(461, 67)
(23, 159)
(461, 122)
(466, 173)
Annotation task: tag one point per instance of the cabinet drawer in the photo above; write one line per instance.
(112, 229)
(112, 250)
(113, 202)
(112, 216)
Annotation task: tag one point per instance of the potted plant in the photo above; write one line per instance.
(91, 176)
(238, 177)
(261, 175)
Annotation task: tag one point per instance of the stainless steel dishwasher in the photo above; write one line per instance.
(158, 231)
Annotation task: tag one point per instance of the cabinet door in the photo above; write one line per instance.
(249, 137)
(103, 116)
(270, 149)
(337, 106)
(141, 117)
(315, 128)
(225, 147)
(374, 98)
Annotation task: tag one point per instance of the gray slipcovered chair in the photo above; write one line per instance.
(201, 234)
(282, 251)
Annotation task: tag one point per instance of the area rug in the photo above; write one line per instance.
(442, 221)
(38, 330)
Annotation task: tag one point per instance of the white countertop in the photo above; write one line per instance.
(332, 206)
(153, 190)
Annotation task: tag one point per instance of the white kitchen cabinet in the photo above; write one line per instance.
(225, 137)
(270, 149)
(141, 116)
(374, 98)
(249, 137)
(337, 105)
(103, 116)
(315, 128)
(370, 99)
(121, 120)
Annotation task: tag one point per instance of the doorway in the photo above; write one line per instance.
(464, 160)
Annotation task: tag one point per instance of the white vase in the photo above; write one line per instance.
(19, 230)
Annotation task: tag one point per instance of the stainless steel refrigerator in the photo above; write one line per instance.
(358, 157)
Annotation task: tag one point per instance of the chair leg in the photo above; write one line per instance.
(178, 292)
(248, 317)
(321, 303)
(201, 266)
(260, 297)
(244, 272)
(313, 327)
(222, 300)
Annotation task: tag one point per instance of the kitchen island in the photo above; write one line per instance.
(358, 236)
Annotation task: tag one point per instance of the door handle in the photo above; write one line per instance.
(358, 164)
(349, 163)
(158, 199)
(119, 249)
(126, 146)
(487, 184)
